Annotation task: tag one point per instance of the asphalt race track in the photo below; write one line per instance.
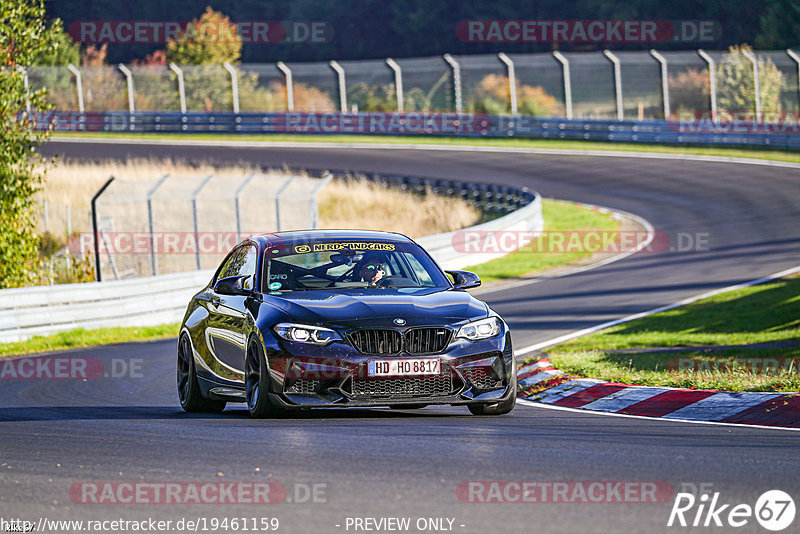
(388, 463)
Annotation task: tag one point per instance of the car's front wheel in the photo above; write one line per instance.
(256, 377)
(189, 394)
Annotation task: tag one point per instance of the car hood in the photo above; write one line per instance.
(426, 306)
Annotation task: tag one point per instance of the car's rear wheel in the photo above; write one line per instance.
(189, 393)
(498, 408)
(256, 378)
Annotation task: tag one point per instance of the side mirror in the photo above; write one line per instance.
(231, 285)
(464, 279)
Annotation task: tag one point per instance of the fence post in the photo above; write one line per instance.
(27, 88)
(129, 78)
(756, 82)
(314, 221)
(181, 89)
(342, 85)
(97, 274)
(617, 82)
(398, 81)
(567, 84)
(278, 194)
(664, 82)
(712, 82)
(236, 196)
(78, 85)
(796, 59)
(456, 79)
(195, 225)
(287, 72)
(512, 81)
(234, 85)
(151, 225)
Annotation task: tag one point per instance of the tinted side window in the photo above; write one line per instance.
(248, 266)
(241, 263)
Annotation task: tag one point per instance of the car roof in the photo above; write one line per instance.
(276, 238)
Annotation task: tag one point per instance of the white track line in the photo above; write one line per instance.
(412, 146)
(611, 414)
(684, 302)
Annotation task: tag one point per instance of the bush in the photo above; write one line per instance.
(492, 97)
(103, 86)
(372, 97)
(689, 91)
(23, 36)
(735, 87)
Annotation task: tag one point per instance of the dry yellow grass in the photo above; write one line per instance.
(368, 206)
(352, 204)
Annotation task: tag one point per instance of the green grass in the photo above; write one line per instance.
(559, 216)
(80, 337)
(763, 313)
(760, 153)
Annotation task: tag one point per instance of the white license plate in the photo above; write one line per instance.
(405, 367)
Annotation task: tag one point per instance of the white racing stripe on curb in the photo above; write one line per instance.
(623, 398)
(684, 302)
(721, 405)
(759, 428)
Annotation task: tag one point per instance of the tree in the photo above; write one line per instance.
(780, 25)
(736, 90)
(209, 40)
(61, 50)
(23, 37)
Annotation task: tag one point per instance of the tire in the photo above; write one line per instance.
(257, 387)
(498, 408)
(189, 393)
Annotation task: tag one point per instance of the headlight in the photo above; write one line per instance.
(302, 333)
(483, 329)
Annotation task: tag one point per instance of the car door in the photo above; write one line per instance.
(227, 320)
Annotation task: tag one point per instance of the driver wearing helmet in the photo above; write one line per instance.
(371, 271)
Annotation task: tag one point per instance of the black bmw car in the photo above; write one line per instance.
(339, 318)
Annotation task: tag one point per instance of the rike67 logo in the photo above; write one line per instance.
(774, 510)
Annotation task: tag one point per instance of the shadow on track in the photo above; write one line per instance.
(67, 413)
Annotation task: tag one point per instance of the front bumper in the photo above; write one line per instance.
(304, 376)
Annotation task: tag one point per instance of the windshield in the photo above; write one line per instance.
(318, 265)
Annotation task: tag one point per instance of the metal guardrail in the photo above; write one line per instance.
(738, 133)
(45, 310)
(35, 311)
